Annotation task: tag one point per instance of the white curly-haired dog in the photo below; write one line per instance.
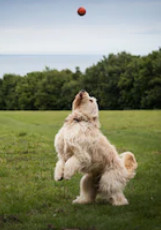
(82, 147)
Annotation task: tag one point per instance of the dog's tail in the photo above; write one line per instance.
(130, 163)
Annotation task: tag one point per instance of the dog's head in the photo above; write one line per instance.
(86, 104)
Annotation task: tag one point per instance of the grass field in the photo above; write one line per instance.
(31, 199)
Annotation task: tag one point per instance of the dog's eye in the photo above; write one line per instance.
(91, 100)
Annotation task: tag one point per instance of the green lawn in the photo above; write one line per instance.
(31, 199)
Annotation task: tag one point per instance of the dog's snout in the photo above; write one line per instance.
(82, 91)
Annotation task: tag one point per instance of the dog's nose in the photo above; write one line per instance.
(82, 91)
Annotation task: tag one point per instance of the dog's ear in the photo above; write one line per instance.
(76, 102)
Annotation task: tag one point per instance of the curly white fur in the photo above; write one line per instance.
(82, 147)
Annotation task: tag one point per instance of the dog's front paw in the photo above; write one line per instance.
(59, 171)
(68, 173)
(58, 178)
(67, 176)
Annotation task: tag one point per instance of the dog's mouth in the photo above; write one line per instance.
(80, 97)
(82, 94)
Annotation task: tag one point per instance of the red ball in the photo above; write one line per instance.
(81, 11)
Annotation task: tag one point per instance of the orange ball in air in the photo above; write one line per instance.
(81, 11)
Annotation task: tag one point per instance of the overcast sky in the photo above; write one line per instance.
(53, 26)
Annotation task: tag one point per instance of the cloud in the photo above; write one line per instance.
(79, 40)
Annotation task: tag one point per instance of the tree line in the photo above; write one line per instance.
(118, 81)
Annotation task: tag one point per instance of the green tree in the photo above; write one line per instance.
(118, 81)
(8, 87)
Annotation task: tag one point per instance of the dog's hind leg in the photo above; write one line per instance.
(88, 190)
(111, 186)
(118, 199)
